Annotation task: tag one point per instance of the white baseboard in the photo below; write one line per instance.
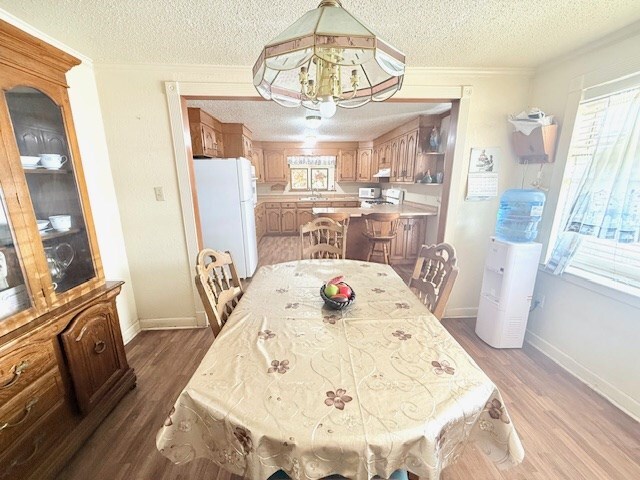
(620, 399)
(168, 323)
(130, 333)
(461, 312)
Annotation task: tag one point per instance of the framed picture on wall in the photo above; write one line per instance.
(320, 178)
(299, 179)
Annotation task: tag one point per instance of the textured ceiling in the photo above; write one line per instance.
(461, 33)
(269, 121)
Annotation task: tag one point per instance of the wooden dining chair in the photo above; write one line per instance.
(323, 237)
(380, 230)
(218, 285)
(433, 276)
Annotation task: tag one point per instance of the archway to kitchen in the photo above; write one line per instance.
(182, 94)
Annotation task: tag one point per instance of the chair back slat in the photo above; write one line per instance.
(323, 237)
(218, 285)
(433, 276)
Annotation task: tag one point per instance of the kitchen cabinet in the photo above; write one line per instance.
(206, 138)
(411, 235)
(346, 167)
(288, 222)
(275, 166)
(257, 161)
(237, 140)
(365, 165)
(273, 219)
(50, 268)
(304, 214)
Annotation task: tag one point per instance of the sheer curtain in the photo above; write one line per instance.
(604, 199)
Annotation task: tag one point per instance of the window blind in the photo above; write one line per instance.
(619, 262)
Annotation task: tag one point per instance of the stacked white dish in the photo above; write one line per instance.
(29, 161)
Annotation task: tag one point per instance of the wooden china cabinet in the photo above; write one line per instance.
(62, 361)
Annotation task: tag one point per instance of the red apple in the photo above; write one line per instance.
(345, 290)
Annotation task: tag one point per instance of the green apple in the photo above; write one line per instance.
(331, 290)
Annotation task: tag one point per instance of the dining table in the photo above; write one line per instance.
(360, 392)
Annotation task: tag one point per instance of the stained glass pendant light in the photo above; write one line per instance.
(328, 59)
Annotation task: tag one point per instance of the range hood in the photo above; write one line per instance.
(383, 173)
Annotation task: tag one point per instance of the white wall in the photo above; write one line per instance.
(593, 335)
(87, 118)
(139, 138)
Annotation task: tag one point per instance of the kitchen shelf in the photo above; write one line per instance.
(54, 234)
(46, 171)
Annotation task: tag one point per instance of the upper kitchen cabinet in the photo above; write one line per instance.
(346, 167)
(237, 140)
(206, 134)
(275, 166)
(257, 160)
(405, 150)
(365, 165)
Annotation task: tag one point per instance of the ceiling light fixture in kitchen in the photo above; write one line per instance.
(313, 121)
(328, 59)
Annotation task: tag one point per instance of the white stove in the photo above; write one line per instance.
(391, 196)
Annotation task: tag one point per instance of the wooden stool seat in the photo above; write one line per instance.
(381, 229)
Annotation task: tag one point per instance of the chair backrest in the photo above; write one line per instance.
(219, 286)
(381, 225)
(323, 238)
(340, 217)
(434, 275)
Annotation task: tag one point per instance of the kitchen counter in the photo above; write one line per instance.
(406, 210)
(305, 198)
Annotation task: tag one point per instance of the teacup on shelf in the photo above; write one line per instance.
(61, 223)
(52, 161)
(29, 161)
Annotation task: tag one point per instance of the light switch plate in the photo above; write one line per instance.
(159, 191)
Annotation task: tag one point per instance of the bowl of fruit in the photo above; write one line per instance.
(337, 294)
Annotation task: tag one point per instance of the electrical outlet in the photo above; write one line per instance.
(159, 191)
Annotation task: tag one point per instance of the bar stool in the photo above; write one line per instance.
(381, 228)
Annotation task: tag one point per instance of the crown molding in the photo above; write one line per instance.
(24, 26)
(610, 39)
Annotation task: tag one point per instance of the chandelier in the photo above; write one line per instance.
(328, 59)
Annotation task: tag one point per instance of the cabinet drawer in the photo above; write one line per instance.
(20, 366)
(29, 452)
(272, 205)
(321, 204)
(23, 411)
(288, 205)
(304, 205)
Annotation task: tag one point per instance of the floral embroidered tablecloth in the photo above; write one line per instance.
(364, 391)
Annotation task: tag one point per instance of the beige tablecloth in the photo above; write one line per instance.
(360, 392)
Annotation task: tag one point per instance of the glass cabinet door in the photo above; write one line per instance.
(49, 171)
(14, 296)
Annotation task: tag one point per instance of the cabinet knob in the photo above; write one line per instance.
(99, 347)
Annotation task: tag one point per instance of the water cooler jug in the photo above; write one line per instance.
(507, 288)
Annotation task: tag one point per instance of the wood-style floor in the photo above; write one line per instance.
(568, 431)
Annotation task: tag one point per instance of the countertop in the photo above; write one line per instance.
(407, 209)
(299, 198)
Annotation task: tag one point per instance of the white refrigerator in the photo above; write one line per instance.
(226, 200)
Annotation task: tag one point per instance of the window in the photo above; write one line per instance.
(315, 172)
(600, 196)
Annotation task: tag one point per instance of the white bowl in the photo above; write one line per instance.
(61, 223)
(29, 162)
(42, 224)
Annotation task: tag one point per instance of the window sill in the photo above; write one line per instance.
(603, 286)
